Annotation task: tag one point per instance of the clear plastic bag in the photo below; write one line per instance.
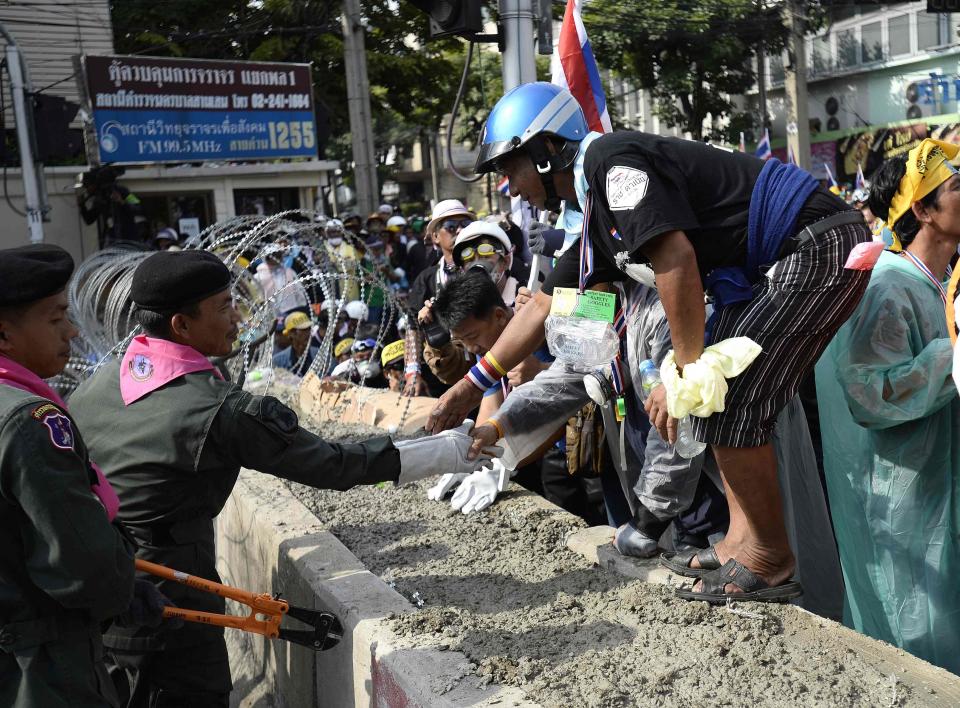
(581, 342)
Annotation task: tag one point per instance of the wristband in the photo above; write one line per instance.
(497, 426)
(495, 364)
(484, 374)
(413, 368)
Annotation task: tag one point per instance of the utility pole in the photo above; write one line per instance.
(762, 86)
(795, 82)
(31, 170)
(358, 101)
(517, 26)
(761, 76)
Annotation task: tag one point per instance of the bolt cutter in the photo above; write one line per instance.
(266, 612)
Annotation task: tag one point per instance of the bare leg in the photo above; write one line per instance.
(757, 536)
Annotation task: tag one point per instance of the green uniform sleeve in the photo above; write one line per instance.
(890, 373)
(72, 552)
(260, 433)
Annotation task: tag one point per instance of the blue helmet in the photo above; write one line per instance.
(528, 111)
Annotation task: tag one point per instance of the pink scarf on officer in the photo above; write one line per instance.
(150, 363)
(17, 376)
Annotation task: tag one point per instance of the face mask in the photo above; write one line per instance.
(496, 274)
(335, 240)
(368, 368)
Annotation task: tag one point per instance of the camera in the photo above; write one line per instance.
(99, 182)
(436, 334)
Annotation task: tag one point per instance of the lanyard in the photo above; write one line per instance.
(929, 275)
(586, 270)
(586, 247)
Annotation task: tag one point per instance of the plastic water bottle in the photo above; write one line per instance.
(686, 446)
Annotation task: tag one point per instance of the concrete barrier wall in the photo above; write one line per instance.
(267, 541)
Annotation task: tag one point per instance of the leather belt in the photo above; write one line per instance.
(818, 228)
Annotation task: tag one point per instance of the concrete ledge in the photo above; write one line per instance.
(930, 685)
(268, 541)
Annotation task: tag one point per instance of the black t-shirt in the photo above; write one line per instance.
(644, 185)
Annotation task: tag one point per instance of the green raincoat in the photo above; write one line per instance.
(890, 419)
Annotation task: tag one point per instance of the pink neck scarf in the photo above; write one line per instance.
(151, 363)
(17, 376)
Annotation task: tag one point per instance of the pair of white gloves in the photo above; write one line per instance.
(477, 490)
(446, 454)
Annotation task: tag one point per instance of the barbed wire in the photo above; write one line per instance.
(101, 306)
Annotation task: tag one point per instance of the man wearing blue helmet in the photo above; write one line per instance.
(783, 261)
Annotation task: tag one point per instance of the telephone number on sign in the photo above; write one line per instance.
(280, 101)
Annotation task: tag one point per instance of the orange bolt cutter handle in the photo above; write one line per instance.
(263, 605)
(265, 615)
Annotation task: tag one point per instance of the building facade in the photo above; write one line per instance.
(188, 198)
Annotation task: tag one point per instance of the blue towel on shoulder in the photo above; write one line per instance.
(775, 203)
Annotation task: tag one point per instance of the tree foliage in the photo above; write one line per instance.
(692, 55)
(412, 80)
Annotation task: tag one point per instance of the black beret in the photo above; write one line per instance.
(171, 279)
(30, 273)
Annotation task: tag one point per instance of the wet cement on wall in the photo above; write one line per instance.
(502, 587)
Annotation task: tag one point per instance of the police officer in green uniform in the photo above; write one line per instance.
(64, 568)
(172, 436)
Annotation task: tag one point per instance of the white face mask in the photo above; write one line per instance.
(493, 270)
(335, 240)
(368, 368)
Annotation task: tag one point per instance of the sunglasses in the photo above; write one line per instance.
(452, 225)
(484, 250)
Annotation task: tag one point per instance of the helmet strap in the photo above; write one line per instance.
(547, 163)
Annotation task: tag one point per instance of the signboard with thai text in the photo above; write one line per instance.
(154, 109)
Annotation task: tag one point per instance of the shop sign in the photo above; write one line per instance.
(151, 109)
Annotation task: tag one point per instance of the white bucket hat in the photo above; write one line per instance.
(446, 209)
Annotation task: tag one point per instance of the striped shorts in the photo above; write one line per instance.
(796, 310)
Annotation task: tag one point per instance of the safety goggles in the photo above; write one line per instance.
(452, 225)
(484, 250)
(363, 345)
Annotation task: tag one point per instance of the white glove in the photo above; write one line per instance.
(442, 453)
(446, 483)
(480, 490)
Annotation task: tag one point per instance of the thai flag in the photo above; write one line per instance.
(861, 181)
(791, 156)
(763, 147)
(833, 180)
(503, 186)
(575, 69)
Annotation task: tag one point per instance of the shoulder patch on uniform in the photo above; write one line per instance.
(58, 427)
(273, 411)
(626, 187)
(273, 414)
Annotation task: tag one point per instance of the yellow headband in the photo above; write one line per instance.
(392, 351)
(928, 166)
(343, 346)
